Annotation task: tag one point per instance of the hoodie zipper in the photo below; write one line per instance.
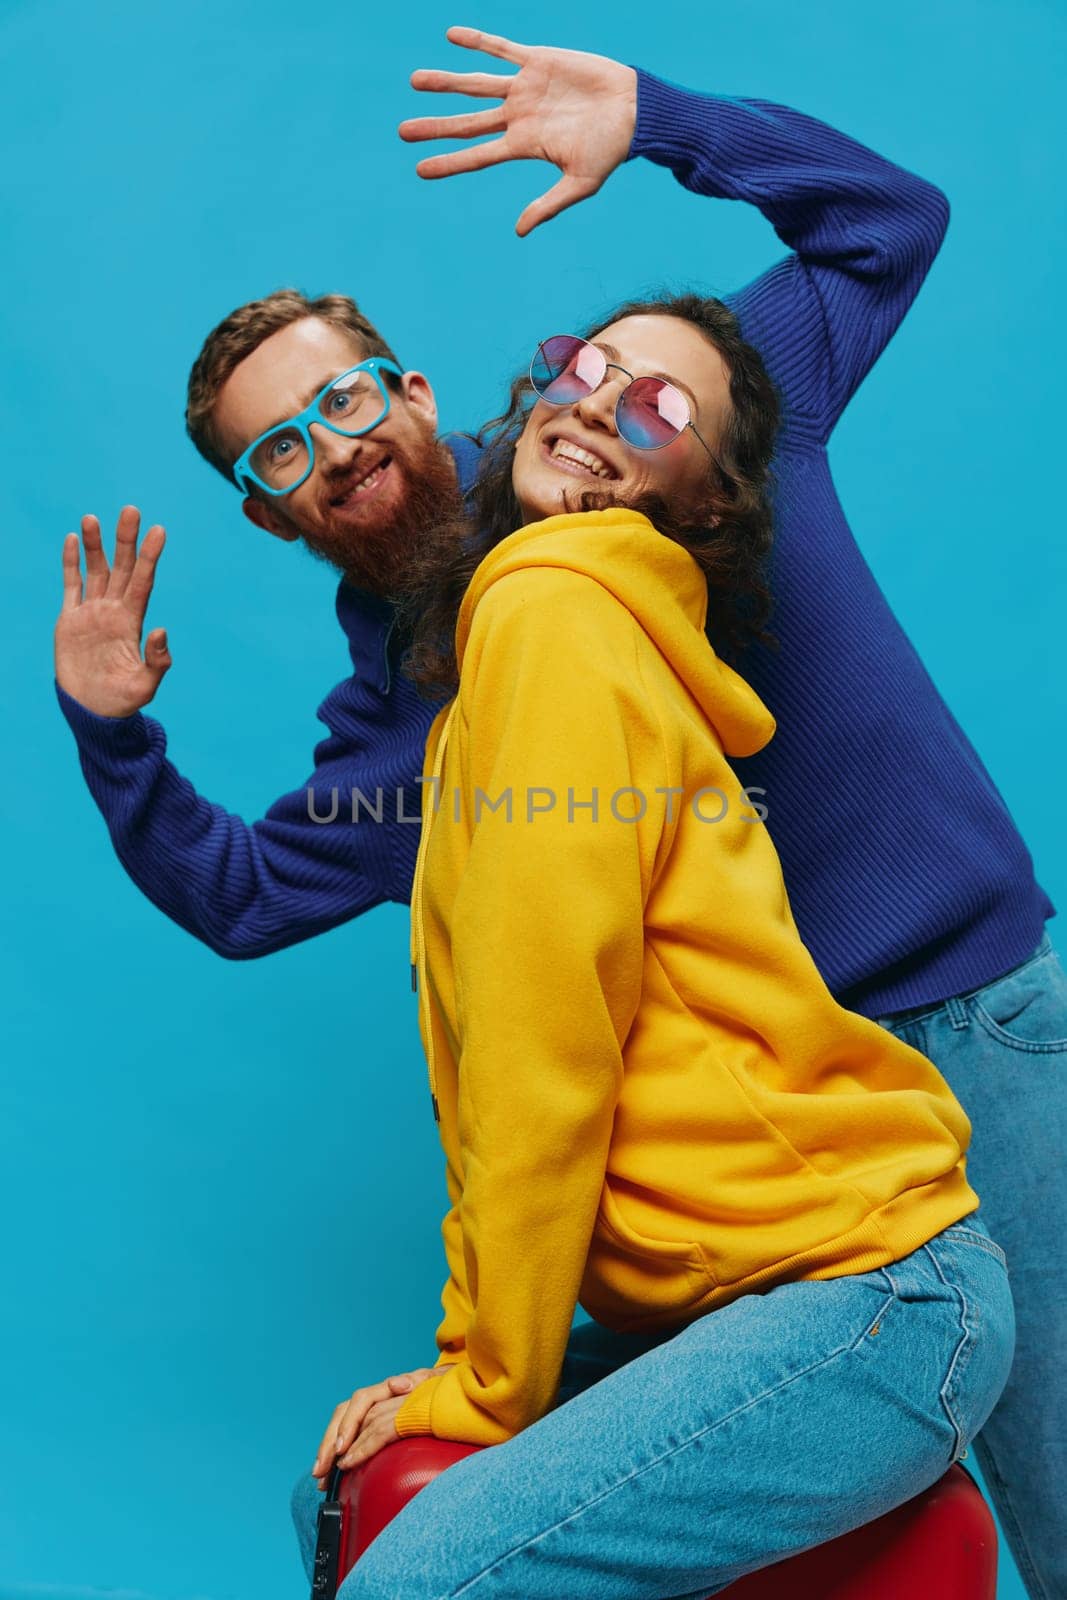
(418, 943)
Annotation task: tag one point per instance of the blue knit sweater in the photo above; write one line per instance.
(899, 905)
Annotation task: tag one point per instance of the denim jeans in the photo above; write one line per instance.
(676, 1462)
(1003, 1050)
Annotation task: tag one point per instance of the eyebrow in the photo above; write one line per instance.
(609, 350)
(308, 396)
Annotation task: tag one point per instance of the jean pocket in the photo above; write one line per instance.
(960, 1230)
(1026, 1009)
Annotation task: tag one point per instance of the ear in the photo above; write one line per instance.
(265, 517)
(416, 390)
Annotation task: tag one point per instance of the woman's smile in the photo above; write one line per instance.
(568, 454)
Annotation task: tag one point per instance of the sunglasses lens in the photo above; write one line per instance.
(566, 369)
(651, 413)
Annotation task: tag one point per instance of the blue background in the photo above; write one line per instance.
(220, 1183)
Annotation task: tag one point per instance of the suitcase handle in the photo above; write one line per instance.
(328, 1543)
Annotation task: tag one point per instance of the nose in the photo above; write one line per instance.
(333, 450)
(597, 410)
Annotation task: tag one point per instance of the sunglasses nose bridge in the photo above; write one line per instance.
(600, 403)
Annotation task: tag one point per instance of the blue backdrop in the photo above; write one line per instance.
(221, 1189)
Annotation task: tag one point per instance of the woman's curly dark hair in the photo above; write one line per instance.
(730, 535)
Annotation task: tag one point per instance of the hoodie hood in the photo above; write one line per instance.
(662, 587)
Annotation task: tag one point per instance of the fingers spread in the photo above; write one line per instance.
(126, 531)
(96, 567)
(480, 85)
(157, 656)
(144, 571)
(472, 125)
(471, 159)
(493, 44)
(72, 572)
(567, 192)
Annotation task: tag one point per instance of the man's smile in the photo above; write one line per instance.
(360, 486)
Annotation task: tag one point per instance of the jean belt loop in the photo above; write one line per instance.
(958, 1014)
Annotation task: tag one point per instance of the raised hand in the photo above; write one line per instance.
(564, 106)
(98, 634)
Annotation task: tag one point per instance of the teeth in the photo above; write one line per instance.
(582, 458)
(370, 480)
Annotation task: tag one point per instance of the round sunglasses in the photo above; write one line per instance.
(649, 413)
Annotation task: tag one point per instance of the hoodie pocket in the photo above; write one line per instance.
(631, 1277)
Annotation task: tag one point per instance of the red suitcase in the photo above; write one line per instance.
(940, 1546)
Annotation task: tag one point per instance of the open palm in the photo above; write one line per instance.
(567, 107)
(98, 634)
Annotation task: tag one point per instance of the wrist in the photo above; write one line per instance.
(111, 707)
(620, 103)
(103, 736)
(669, 119)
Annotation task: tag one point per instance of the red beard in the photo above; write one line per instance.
(378, 555)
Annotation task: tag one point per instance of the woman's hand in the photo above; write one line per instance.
(565, 106)
(362, 1425)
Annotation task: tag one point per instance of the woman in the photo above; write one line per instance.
(649, 1102)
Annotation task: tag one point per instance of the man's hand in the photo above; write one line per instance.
(565, 106)
(98, 635)
(361, 1426)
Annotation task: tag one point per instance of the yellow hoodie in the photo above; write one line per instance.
(649, 1101)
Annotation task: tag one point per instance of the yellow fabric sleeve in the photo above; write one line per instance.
(455, 1297)
(547, 950)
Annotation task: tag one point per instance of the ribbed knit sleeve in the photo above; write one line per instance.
(863, 233)
(247, 889)
(908, 880)
(341, 843)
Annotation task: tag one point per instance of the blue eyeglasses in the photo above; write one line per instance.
(280, 459)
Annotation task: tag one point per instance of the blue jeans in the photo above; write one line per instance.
(1003, 1050)
(677, 1462)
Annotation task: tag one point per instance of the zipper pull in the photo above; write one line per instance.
(414, 978)
(436, 1108)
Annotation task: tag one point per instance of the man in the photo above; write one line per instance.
(929, 920)
(248, 891)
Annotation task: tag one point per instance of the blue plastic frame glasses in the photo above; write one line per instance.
(245, 474)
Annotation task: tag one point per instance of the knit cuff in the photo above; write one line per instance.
(414, 1415)
(104, 736)
(669, 127)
